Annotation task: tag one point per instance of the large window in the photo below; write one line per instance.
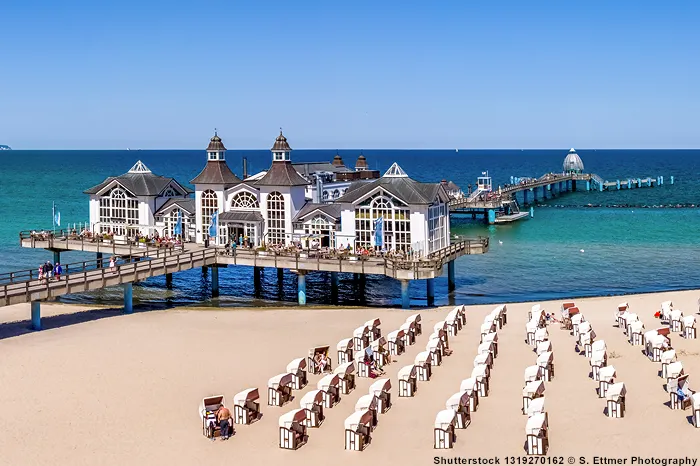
(275, 218)
(244, 200)
(396, 224)
(437, 227)
(170, 221)
(320, 225)
(210, 204)
(117, 211)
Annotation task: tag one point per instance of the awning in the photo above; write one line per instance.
(253, 217)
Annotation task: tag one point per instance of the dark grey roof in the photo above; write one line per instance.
(332, 210)
(140, 184)
(215, 144)
(282, 174)
(450, 186)
(187, 205)
(216, 172)
(240, 216)
(308, 168)
(408, 190)
(281, 144)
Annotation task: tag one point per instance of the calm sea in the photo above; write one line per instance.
(633, 241)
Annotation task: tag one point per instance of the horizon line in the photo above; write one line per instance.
(374, 149)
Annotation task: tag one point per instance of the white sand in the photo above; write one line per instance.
(125, 389)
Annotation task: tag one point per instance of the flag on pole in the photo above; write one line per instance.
(56, 217)
(178, 226)
(379, 231)
(214, 225)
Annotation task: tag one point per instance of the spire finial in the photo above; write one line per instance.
(215, 133)
(280, 131)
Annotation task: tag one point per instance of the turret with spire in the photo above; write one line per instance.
(216, 149)
(281, 152)
(216, 171)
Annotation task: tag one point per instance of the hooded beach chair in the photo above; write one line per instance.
(533, 373)
(373, 329)
(535, 312)
(673, 371)
(567, 310)
(312, 365)
(279, 389)
(621, 308)
(689, 327)
(586, 340)
(396, 342)
(576, 321)
(453, 321)
(207, 413)
(615, 397)
(636, 334)
(492, 338)
(380, 352)
(363, 369)
(531, 391)
(409, 333)
(298, 370)
(346, 372)
(486, 328)
(695, 403)
(441, 329)
(360, 338)
(666, 308)
(423, 366)
(679, 391)
(502, 312)
(666, 358)
(599, 359)
(480, 374)
(445, 429)
(536, 406)
(530, 329)
(407, 381)
(345, 349)
(658, 343)
(631, 318)
(487, 347)
(435, 346)
(292, 429)
(484, 359)
(459, 403)
(470, 386)
(369, 403)
(546, 363)
(313, 402)
(381, 388)
(583, 327)
(606, 377)
(245, 407)
(543, 346)
(330, 384)
(541, 334)
(536, 436)
(416, 319)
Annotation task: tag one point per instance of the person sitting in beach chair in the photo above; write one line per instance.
(321, 361)
(374, 371)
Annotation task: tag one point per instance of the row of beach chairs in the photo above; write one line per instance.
(537, 425)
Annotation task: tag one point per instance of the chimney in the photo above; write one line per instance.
(245, 168)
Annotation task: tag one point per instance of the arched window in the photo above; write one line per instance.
(117, 210)
(325, 195)
(275, 218)
(336, 194)
(396, 224)
(320, 225)
(170, 192)
(210, 204)
(171, 221)
(244, 200)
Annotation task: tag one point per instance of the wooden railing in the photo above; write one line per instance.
(101, 244)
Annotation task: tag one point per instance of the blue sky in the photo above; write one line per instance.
(360, 74)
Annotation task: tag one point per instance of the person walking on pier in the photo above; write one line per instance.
(111, 265)
(58, 271)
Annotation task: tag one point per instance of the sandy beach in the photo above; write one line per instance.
(98, 387)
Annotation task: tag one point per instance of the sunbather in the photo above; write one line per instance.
(321, 361)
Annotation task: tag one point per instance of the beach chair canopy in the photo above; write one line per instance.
(357, 419)
(695, 400)
(445, 419)
(493, 315)
(584, 327)
(598, 358)
(500, 309)
(249, 394)
(541, 334)
(378, 344)
(622, 307)
(487, 327)
(676, 314)
(631, 317)
(489, 319)
(536, 406)
(442, 325)
(533, 389)
(345, 369)
(280, 380)
(667, 305)
(674, 370)
(408, 327)
(544, 346)
(648, 336)
(379, 386)
(577, 319)
(599, 346)
(536, 308)
(440, 333)
(682, 383)
(616, 391)
(328, 381)
(479, 372)
(484, 348)
(211, 404)
(573, 311)
(422, 358)
(366, 402)
(665, 330)
(452, 316)
(296, 365)
(314, 397)
(468, 385)
(457, 400)
(434, 344)
(530, 327)
(414, 318)
(407, 372)
(360, 332)
(535, 424)
(545, 358)
(295, 415)
(491, 337)
(345, 344)
(689, 321)
(395, 335)
(483, 358)
(319, 349)
(587, 337)
(373, 323)
(668, 357)
(658, 341)
(637, 327)
(607, 374)
(532, 373)
(567, 305)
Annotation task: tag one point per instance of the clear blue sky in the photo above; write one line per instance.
(350, 74)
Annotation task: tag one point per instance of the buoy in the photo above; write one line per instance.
(582, 250)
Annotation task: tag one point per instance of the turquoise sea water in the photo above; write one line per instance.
(650, 245)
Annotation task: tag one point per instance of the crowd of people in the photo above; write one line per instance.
(49, 271)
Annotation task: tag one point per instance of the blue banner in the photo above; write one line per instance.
(379, 232)
(178, 226)
(56, 217)
(214, 226)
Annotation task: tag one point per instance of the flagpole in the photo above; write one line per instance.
(53, 217)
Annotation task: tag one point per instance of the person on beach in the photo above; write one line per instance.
(223, 416)
(41, 272)
(48, 270)
(112, 265)
(321, 361)
(58, 271)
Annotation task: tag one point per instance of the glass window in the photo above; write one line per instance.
(244, 200)
(275, 218)
(117, 211)
(397, 223)
(210, 204)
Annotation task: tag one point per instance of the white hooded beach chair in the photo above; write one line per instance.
(346, 372)
(435, 346)
(381, 388)
(453, 321)
(673, 371)
(409, 331)
(313, 402)
(207, 414)
(679, 391)
(487, 348)
(658, 344)
(245, 408)
(695, 403)
(576, 320)
(502, 312)
(298, 370)
(606, 377)
(530, 329)
(292, 429)
(535, 312)
(396, 343)
(536, 406)
(497, 315)
(492, 338)
(599, 359)
(599, 345)
(416, 319)
(533, 373)
(483, 359)
(666, 358)
(363, 369)
(531, 391)
(583, 327)
(440, 328)
(480, 374)
(615, 397)
(666, 308)
(313, 366)
(423, 366)
(566, 314)
(536, 438)
(546, 363)
(369, 403)
(360, 338)
(445, 429)
(330, 384)
(689, 327)
(470, 386)
(459, 402)
(587, 339)
(486, 328)
(636, 334)
(543, 346)
(373, 329)
(629, 320)
(407, 381)
(345, 349)
(621, 308)
(379, 351)
(541, 334)
(279, 389)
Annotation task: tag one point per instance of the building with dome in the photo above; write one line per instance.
(572, 162)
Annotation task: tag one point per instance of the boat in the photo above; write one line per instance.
(3, 147)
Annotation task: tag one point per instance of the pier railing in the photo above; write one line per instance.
(97, 242)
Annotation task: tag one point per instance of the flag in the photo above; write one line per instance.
(56, 217)
(214, 225)
(178, 226)
(379, 231)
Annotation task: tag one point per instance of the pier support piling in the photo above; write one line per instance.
(36, 315)
(532, 212)
(405, 298)
(205, 270)
(525, 197)
(128, 298)
(451, 276)
(334, 286)
(256, 278)
(618, 185)
(671, 179)
(214, 281)
(301, 287)
(492, 216)
(169, 281)
(430, 291)
(99, 260)
(588, 185)
(280, 275)
(629, 184)
(56, 257)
